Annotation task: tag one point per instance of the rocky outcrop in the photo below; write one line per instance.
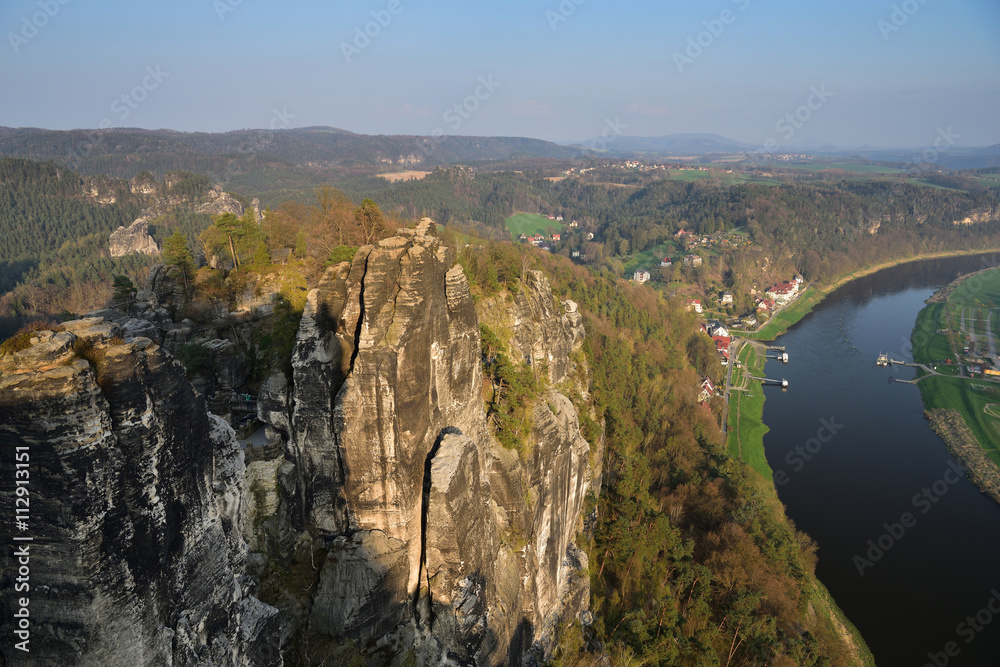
(105, 190)
(440, 540)
(134, 238)
(138, 509)
(220, 202)
(979, 216)
(542, 331)
(144, 184)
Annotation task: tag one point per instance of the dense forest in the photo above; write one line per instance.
(56, 236)
(51, 234)
(123, 153)
(692, 560)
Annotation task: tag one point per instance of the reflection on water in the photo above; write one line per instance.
(909, 550)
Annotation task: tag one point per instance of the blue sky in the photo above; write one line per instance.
(893, 73)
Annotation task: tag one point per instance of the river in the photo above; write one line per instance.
(862, 477)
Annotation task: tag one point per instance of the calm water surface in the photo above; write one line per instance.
(946, 566)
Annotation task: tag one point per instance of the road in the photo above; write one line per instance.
(733, 345)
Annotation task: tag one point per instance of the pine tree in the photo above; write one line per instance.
(123, 289)
(176, 252)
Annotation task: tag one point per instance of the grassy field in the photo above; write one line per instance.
(530, 224)
(930, 347)
(649, 259)
(746, 410)
(969, 397)
(779, 324)
(846, 166)
(982, 289)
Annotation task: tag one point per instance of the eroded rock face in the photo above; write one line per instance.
(544, 331)
(220, 202)
(979, 216)
(134, 238)
(138, 504)
(437, 535)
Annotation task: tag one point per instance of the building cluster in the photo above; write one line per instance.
(720, 335)
(784, 292)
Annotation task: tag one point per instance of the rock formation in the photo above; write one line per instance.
(979, 216)
(440, 539)
(138, 509)
(220, 202)
(409, 528)
(134, 238)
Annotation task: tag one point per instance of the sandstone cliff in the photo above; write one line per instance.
(138, 509)
(440, 541)
(134, 238)
(383, 512)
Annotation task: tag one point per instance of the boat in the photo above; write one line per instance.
(883, 359)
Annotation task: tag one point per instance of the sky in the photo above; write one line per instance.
(795, 72)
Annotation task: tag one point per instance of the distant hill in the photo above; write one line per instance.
(123, 153)
(670, 144)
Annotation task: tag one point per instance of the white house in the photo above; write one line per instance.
(640, 276)
(718, 330)
(783, 292)
(726, 298)
(707, 391)
(695, 305)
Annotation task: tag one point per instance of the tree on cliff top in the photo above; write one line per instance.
(231, 236)
(176, 252)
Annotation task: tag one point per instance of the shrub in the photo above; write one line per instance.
(22, 339)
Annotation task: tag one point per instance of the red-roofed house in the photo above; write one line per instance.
(783, 292)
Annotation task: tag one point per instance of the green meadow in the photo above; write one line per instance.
(530, 224)
(746, 426)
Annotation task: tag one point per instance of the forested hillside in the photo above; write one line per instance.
(49, 228)
(692, 560)
(123, 153)
(821, 229)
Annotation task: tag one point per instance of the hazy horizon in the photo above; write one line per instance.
(888, 75)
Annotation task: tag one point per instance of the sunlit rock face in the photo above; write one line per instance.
(438, 535)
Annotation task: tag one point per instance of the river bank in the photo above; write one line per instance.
(814, 294)
(850, 450)
(960, 408)
(746, 427)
